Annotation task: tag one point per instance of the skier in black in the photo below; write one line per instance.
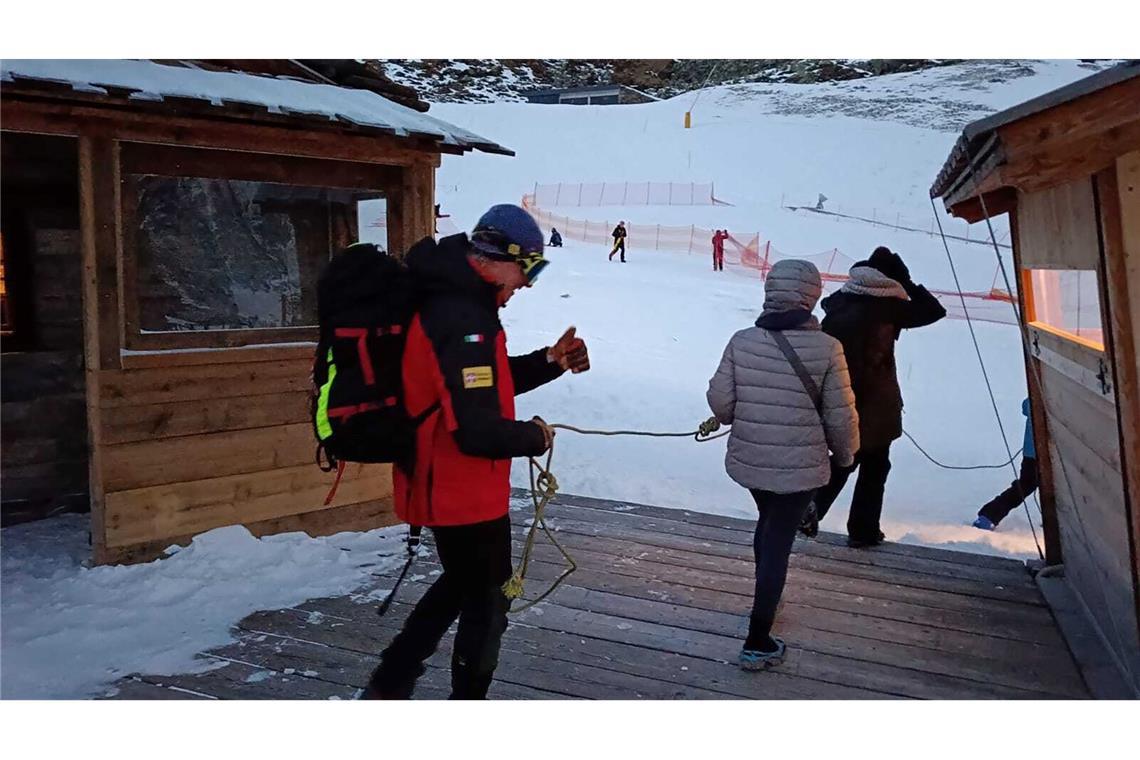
(555, 238)
(619, 241)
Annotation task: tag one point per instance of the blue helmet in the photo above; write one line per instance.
(507, 232)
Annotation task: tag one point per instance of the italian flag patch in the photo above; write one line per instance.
(473, 338)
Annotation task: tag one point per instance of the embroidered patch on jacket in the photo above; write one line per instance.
(478, 377)
(473, 338)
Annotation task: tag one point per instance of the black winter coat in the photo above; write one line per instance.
(867, 317)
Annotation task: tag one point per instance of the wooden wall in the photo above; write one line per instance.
(43, 441)
(183, 441)
(1059, 228)
(211, 438)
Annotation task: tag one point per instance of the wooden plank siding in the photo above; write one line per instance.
(1057, 227)
(196, 446)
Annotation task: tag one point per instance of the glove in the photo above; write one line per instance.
(900, 268)
(570, 352)
(547, 431)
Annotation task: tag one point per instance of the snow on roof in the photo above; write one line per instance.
(149, 81)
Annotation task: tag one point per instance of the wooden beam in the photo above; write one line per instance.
(101, 256)
(998, 202)
(216, 131)
(1041, 440)
(1118, 196)
(1108, 115)
(170, 161)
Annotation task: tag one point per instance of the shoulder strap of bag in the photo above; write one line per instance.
(805, 378)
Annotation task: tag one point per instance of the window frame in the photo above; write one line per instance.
(1031, 319)
(220, 164)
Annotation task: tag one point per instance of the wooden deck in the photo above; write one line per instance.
(657, 610)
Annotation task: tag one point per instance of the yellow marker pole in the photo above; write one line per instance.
(688, 119)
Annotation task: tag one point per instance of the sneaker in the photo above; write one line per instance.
(984, 523)
(754, 659)
(861, 543)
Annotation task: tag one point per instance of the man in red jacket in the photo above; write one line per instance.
(718, 249)
(456, 371)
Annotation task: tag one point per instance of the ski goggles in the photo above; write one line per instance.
(532, 264)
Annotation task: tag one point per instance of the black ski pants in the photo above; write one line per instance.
(619, 247)
(867, 502)
(1018, 491)
(778, 516)
(476, 563)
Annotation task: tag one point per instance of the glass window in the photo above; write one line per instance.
(222, 254)
(1067, 302)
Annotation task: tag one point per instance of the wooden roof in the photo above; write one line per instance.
(1070, 131)
(289, 91)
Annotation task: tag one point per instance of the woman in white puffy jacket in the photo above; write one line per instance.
(787, 421)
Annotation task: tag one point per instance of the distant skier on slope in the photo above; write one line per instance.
(619, 235)
(718, 249)
(555, 238)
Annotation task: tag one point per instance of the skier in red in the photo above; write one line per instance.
(718, 249)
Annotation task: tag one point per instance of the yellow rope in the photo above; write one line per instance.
(544, 486)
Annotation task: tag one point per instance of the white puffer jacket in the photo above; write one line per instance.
(779, 442)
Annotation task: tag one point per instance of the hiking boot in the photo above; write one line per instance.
(864, 543)
(984, 523)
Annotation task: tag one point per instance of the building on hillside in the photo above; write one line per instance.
(596, 95)
(163, 227)
(1066, 168)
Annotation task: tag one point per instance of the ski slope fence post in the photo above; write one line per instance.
(579, 193)
(657, 244)
(558, 195)
(692, 234)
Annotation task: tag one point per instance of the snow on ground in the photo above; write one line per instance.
(69, 631)
(657, 325)
(656, 328)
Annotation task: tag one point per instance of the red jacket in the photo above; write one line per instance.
(456, 357)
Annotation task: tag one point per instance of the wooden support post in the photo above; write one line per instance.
(101, 253)
(1118, 199)
(1047, 488)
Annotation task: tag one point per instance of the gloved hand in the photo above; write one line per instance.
(547, 431)
(570, 352)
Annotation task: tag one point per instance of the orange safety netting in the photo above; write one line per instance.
(624, 194)
(749, 255)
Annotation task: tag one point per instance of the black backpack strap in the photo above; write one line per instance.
(805, 378)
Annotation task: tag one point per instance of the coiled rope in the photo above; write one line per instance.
(543, 488)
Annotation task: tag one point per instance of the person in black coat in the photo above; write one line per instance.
(867, 315)
(555, 238)
(619, 235)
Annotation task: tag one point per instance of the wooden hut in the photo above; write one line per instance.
(1066, 168)
(163, 227)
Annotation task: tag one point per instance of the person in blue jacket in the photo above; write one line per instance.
(1019, 490)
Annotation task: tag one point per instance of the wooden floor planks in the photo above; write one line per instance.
(657, 610)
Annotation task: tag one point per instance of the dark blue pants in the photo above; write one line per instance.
(779, 516)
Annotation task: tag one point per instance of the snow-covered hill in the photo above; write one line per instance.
(657, 325)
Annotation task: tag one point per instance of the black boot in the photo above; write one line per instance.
(810, 524)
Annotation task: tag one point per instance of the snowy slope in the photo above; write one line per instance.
(657, 326)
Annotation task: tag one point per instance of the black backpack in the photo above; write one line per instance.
(365, 302)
